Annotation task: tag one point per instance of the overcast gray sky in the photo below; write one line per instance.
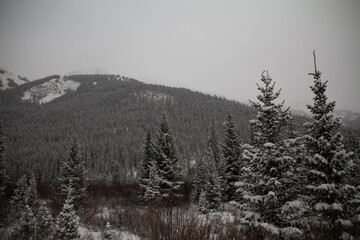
(217, 47)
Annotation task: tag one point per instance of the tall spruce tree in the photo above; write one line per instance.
(3, 176)
(270, 187)
(214, 170)
(231, 150)
(74, 168)
(213, 149)
(148, 157)
(167, 162)
(331, 196)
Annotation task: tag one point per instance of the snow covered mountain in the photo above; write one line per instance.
(10, 80)
(48, 91)
(349, 118)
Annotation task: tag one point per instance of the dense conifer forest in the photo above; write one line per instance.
(120, 159)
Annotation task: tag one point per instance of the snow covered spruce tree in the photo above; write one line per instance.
(213, 188)
(148, 157)
(330, 195)
(270, 189)
(209, 169)
(67, 220)
(21, 192)
(27, 223)
(32, 189)
(231, 150)
(152, 193)
(167, 163)
(199, 179)
(44, 222)
(3, 176)
(74, 168)
(214, 170)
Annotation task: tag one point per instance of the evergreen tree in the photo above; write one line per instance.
(271, 120)
(199, 179)
(167, 162)
(27, 223)
(21, 192)
(108, 232)
(213, 149)
(74, 168)
(3, 176)
(232, 158)
(330, 195)
(213, 188)
(32, 189)
(203, 203)
(270, 188)
(44, 221)
(152, 192)
(148, 157)
(67, 220)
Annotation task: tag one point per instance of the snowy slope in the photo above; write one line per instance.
(10, 80)
(50, 90)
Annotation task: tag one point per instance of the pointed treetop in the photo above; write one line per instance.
(316, 74)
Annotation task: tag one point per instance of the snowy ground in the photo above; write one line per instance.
(92, 235)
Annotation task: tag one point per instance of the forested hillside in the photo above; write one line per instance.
(110, 115)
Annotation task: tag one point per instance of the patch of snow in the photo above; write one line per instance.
(267, 108)
(96, 235)
(292, 205)
(344, 223)
(155, 96)
(291, 232)
(88, 234)
(270, 228)
(49, 90)
(239, 184)
(269, 145)
(322, 206)
(105, 213)
(326, 206)
(250, 215)
(254, 199)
